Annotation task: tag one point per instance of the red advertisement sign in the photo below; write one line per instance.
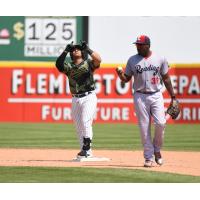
(41, 94)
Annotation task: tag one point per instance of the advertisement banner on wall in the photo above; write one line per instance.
(37, 92)
(38, 38)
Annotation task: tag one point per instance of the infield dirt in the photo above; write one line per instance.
(187, 163)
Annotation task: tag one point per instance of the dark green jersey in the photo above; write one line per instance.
(80, 76)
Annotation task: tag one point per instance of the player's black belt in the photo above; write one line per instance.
(81, 95)
(143, 92)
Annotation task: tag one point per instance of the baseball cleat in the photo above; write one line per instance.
(158, 158)
(148, 163)
(159, 161)
(84, 153)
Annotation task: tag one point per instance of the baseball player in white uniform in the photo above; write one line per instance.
(82, 86)
(149, 71)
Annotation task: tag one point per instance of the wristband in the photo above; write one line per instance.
(89, 51)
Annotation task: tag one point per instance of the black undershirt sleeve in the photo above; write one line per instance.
(60, 61)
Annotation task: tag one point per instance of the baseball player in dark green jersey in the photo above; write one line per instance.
(82, 86)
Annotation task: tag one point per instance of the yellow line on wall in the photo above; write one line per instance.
(40, 64)
(184, 65)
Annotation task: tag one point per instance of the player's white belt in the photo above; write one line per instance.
(81, 95)
(144, 92)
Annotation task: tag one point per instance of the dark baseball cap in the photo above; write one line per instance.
(77, 46)
(142, 39)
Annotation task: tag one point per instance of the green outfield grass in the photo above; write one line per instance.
(106, 136)
(88, 175)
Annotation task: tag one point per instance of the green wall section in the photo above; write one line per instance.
(12, 47)
(13, 51)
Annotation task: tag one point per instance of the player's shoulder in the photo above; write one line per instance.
(157, 55)
(134, 58)
(89, 60)
(159, 58)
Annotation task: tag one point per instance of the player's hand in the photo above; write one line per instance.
(69, 47)
(84, 45)
(86, 48)
(119, 70)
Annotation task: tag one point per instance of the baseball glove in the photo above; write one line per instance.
(174, 109)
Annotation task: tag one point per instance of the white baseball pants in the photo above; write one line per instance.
(83, 112)
(149, 106)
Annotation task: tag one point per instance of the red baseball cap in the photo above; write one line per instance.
(142, 39)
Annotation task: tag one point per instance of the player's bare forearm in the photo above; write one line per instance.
(168, 85)
(96, 59)
(123, 77)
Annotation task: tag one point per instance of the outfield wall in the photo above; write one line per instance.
(32, 90)
(36, 92)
